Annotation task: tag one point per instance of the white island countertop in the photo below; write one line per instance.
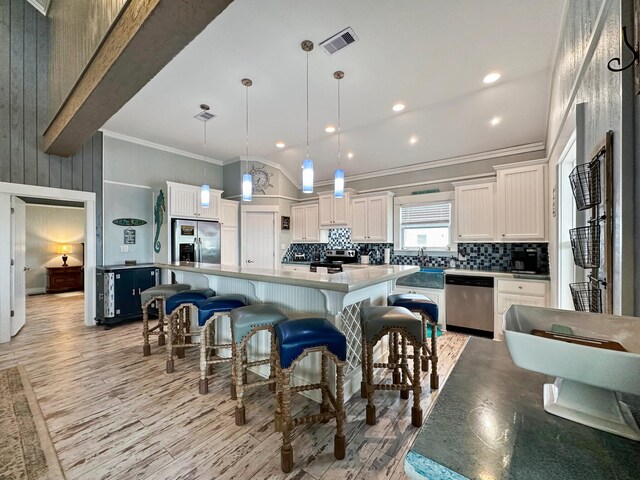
(347, 281)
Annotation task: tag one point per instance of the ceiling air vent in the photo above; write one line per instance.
(339, 41)
(204, 115)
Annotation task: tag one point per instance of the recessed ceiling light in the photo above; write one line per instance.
(280, 145)
(398, 107)
(495, 121)
(492, 77)
(350, 155)
(413, 140)
(329, 129)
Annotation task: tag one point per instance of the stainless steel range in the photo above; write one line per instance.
(335, 260)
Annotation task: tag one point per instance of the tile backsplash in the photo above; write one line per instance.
(493, 256)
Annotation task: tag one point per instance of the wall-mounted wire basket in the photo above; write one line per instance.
(587, 296)
(585, 243)
(585, 183)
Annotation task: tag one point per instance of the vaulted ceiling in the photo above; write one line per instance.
(430, 55)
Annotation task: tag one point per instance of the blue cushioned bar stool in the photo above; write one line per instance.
(178, 320)
(377, 322)
(428, 311)
(295, 340)
(156, 295)
(208, 314)
(245, 323)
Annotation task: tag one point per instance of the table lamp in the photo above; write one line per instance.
(64, 249)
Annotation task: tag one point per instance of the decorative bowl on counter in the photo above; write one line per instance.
(594, 356)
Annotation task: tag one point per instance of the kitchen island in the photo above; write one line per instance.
(337, 297)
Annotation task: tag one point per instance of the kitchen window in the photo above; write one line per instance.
(421, 224)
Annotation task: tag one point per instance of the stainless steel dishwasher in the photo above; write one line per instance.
(469, 301)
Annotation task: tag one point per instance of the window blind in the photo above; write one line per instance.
(430, 214)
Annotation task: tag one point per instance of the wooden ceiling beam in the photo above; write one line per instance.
(143, 39)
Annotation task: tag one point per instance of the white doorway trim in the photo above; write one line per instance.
(7, 190)
(275, 210)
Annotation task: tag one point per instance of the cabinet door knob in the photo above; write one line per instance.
(503, 234)
(520, 287)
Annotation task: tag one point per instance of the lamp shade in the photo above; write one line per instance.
(247, 187)
(307, 176)
(204, 195)
(338, 184)
(64, 248)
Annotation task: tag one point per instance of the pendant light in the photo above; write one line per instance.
(338, 180)
(307, 164)
(247, 180)
(204, 189)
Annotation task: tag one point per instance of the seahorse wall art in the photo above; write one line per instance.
(158, 219)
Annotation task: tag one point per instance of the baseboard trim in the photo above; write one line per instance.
(36, 291)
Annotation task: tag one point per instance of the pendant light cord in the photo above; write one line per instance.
(307, 104)
(339, 126)
(247, 127)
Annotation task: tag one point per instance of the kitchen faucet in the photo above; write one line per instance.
(421, 256)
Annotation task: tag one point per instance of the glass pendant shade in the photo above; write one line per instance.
(204, 195)
(338, 184)
(307, 176)
(247, 187)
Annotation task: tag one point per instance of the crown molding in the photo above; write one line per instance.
(476, 157)
(158, 146)
(269, 163)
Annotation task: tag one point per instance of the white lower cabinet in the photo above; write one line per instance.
(517, 292)
(294, 268)
(436, 295)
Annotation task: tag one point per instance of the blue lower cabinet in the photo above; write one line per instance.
(118, 289)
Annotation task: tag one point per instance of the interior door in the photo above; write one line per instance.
(258, 240)
(18, 241)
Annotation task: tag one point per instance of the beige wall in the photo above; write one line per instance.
(46, 227)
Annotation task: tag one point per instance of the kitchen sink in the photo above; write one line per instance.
(427, 277)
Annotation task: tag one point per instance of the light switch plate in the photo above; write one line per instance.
(124, 248)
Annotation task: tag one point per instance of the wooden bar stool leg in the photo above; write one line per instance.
(425, 352)
(170, 335)
(146, 348)
(161, 315)
(371, 408)
(416, 410)
(234, 368)
(324, 406)
(203, 386)
(397, 359)
(339, 441)
(363, 364)
(286, 453)
(245, 360)
(435, 378)
(272, 365)
(277, 420)
(211, 340)
(404, 393)
(240, 410)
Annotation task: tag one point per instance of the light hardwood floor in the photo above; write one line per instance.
(114, 414)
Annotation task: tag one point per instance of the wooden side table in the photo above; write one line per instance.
(64, 279)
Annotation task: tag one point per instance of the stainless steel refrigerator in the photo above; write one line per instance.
(195, 241)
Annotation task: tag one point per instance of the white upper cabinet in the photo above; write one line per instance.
(185, 202)
(521, 211)
(475, 211)
(306, 224)
(510, 209)
(372, 218)
(334, 212)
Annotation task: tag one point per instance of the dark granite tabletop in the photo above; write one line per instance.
(489, 423)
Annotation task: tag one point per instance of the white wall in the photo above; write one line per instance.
(46, 227)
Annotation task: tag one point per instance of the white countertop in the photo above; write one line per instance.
(347, 281)
(495, 274)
